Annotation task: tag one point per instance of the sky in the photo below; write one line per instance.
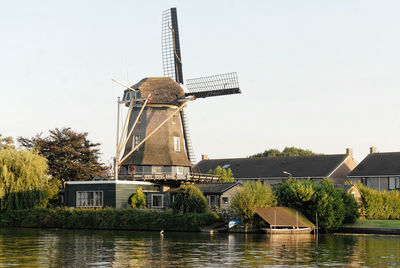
(319, 75)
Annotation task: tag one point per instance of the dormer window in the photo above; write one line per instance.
(137, 94)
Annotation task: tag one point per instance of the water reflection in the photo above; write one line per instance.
(86, 248)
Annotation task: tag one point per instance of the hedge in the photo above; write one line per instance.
(107, 218)
(379, 205)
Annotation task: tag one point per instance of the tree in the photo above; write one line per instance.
(138, 200)
(24, 182)
(189, 199)
(71, 156)
(288, 151)
(331, 205)
(351, 207)
(253, 195)
(6, 143)
(226, 175)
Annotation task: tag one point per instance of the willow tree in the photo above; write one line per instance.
(24, 182)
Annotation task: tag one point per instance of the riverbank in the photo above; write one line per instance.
(107, 218)
(363, 226)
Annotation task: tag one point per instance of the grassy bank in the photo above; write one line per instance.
(108, 218)
(363, 223)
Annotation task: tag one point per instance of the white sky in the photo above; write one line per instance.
(320, 75)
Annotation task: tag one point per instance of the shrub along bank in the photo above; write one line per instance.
(107, 218)
(379, 205)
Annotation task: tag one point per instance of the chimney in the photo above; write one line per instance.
(349, 152)
(204, 157)
(372, 150)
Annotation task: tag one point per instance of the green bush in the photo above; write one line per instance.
(332, 206)
(107, 218)
(189, 199)
(379, 205)
(253, 195)
(351, 213)
(138, 200)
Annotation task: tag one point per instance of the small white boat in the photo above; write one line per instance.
(304, 230)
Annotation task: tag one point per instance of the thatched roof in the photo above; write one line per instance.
(284, 217)
(163, 90)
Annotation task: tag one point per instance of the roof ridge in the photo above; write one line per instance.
(272, 157)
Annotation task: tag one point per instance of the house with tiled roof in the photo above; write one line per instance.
(217, 194)
(274, 170)
(380, 171)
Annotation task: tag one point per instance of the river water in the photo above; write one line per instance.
(88, 248)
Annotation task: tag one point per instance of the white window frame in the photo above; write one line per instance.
(179, 170)
(177, 143)
(87, 203)
(162, 200)
(135, 141)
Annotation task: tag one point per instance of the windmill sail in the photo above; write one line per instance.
(216, 85)
(171, 50)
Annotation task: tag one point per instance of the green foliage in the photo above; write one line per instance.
(333, 206)
(351, 213)
(379, 205)
(107, 218)
(189, 199)
(226, 175)
(6, 143)
(138, 200)
(288, 151)
(253, 195)
(71, 156)
(24, 182)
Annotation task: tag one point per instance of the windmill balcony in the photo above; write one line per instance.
(148, 176)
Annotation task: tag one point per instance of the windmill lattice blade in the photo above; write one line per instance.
(216, 85)
(171, 51)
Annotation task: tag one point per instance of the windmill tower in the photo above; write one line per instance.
(155, 141)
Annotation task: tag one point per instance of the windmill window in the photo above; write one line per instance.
(177, 144)
(140, 119)
(136, 140)
(225, 200)
(179, 170)
(137, 94)
(156, 169)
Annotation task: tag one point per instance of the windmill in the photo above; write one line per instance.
(155, 141)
